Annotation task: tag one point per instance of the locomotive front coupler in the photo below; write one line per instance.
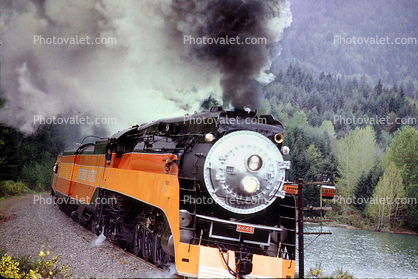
(243, 262)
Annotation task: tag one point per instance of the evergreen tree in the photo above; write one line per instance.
(366, 185)
(208, 103)
(379, 88)
(410, 89)
(412, 191)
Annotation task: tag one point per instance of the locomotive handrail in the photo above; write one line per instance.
(214, 219)
(164, 149)
(158, 133)
(92, 137)
(77, 152)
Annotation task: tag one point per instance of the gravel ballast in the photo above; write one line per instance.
(27, 222)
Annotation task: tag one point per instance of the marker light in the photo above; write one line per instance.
(254, 163)
(209, 137)
(250, 184)
(278, 138)
(285, 150)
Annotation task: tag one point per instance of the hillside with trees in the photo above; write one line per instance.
(362, 137)
(319, 40)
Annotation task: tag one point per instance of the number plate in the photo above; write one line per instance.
(245, 229)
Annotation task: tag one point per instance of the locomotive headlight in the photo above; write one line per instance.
(250, 184)
(246, 166)
(254, 163)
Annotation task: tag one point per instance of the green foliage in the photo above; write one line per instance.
(412, 211)
(310, 149)
(356, 157)
(38, 175)
(387, 206)
(3, 158)
(339, 273)
(208, 103)
(403, 151)
(316, 272)
(30, 158)
(11, 188)
(314, 112)
(311, 156)
(328, 128)
(366, 185)
(299, 119)
(329, 98)
(25, 268)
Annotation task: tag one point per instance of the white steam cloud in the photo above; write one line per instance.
(143, 73)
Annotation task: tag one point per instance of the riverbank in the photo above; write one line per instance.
(335, 223)
(353, 219)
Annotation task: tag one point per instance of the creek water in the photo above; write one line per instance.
(363, 254)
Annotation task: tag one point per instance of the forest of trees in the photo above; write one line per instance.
(367, 160)
(362, 137)
(313, 43)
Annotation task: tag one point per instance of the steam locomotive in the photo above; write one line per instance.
(205, 191)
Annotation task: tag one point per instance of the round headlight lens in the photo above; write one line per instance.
(250, 184)
(254, 163)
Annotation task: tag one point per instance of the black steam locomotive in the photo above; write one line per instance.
(204, 190)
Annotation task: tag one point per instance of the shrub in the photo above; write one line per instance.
(38, 175)
(339, 273)
(9, 268)
(11, 188)
(25, 268)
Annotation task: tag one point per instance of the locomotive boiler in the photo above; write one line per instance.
(205, 191)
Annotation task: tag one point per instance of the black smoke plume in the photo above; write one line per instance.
(254, 26)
